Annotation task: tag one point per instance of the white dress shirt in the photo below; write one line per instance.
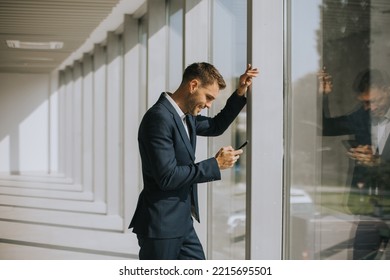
(380, 132)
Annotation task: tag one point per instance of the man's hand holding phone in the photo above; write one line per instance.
(243, 145)
(364, 155)
(228, 156)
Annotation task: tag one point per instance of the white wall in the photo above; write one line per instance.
(24, 126)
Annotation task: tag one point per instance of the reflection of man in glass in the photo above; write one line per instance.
(370, 125)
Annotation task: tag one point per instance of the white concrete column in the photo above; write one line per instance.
(68, 117)
(175, 39)
(131, 111)
(61, 121)
(157, 50)
(87, 117)
(54, 122)
(114, 124)
(77, 123)
(197, 29)
(265, 131)
(99, 131)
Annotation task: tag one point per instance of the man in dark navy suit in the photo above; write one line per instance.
(369, 197)
(163, 220)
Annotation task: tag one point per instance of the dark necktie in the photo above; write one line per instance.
(194, 188)
(189, 126)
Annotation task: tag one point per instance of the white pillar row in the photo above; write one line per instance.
(77, 122)
(87, 115)
(131, 113)
(99, 129)
(68, 117)
(114, 103)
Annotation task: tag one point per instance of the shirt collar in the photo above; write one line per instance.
(387, 116)
(177, 108)
(375, 121)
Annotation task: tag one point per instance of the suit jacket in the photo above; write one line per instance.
(170, 173)
(376, 179)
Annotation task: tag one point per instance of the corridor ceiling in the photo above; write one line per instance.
(33, 22)
(70, 22)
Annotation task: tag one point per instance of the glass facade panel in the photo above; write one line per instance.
(338, 99)
(227, 223)
(175, 43)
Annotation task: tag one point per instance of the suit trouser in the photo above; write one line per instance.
(368, 238)
(187, 247)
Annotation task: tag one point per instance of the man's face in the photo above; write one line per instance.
(201, 97)
(376, 100)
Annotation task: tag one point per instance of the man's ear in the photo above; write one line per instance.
(193, 85)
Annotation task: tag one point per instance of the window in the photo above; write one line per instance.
(339, 208)
(228, 195)
(175, 43)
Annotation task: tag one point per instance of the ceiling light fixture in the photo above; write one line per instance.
(16, 44)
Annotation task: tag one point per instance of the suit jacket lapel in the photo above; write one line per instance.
(386, 148)
(179, 125)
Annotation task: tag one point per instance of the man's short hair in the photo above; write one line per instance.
(206, 73)
(370, 78)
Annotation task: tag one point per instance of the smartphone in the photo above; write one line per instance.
(243, 145)
(348, 144)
